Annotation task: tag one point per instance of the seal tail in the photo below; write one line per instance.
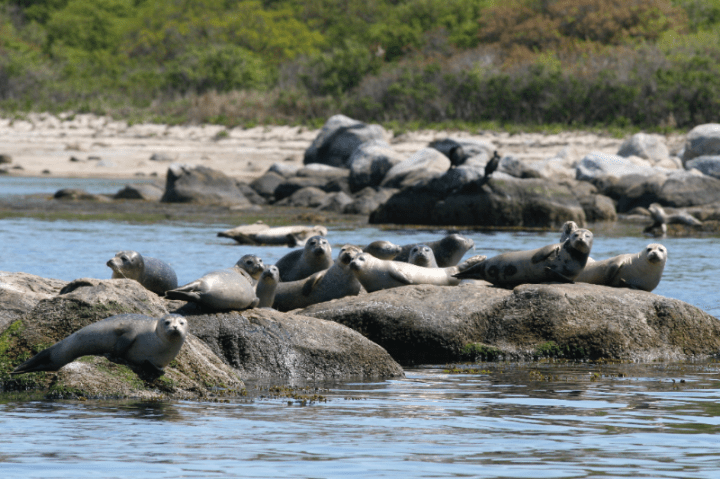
(184, 293)
(42, 361)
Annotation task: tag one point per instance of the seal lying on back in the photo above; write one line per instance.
(262, 234)
(136, 338)
(252, 265)
(223, 290)
(266, 287)
(301, 263)
(383, 249)
(641, 270)
(561, 262)
(152, 273)
(422, 255)
(336, 282)
(448, 251)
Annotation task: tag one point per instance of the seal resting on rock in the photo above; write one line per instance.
(336, 282)
(568, 228)
(383, 249)
(641, 270)
(301, 263)
(448, 251)
(253, 265)
(422, 255)
(561, 262)
(136, 338)
(661, 219)
(154, 274)
(266, 287)
(222, 290)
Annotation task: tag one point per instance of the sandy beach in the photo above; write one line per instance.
(92, 146)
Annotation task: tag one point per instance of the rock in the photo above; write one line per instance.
(479, 149)
(162, 157)
(335, 202)
(631, 191)
(519, 169)
(322, 171)
(598, 164)
(456, 178)
(707, 165)
(291, 185)
(78, 194)
(266, 185)
(284, 169)
(368, 200)
(369, 164)
(5, 158)
(140, 191)
(252, 195)
(648, 146)
(703, 140)
(555, 168)
(308, 197)
(424, 324)
(689, 191)
(202, 185)
(338, 139)
(598, 208)
(425, 164)
(20, 292)
(263, 343)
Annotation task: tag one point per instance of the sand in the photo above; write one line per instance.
(100, 147)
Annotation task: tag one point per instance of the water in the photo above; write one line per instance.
(504, 420)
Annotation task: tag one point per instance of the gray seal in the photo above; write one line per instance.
(422, 255)
(154, 274)
(136, 338)
(568, 228)
(222, 290)
(301, 263)
(641, 270)
(561, 262)
(266, 287)
(383, 249)
(252, 265)
(336, 282)
(448, 251)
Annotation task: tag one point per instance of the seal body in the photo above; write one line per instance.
(568, 228)
(262, 234)
(222, 290)
(253, 265)
(422, 255)
(641, 270)
(383, 249)
(448, 251)
(315, 256)
(375, 274)
(561, 262)
(266, 287)
(154, 274)
(136, 338)
(336, 282)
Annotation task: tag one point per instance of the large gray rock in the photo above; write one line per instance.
(432, 324)
(308, 197)
(140, 191)
(456, 178)
(368, 200)
(203, 185)
(338, 139)
(291, 185)
(648, 146)
(20, 292)
(424, 165)
(266, 185)
(708, 165)
(703, 140)
(369, 164)
(263, 343)
(598, 164)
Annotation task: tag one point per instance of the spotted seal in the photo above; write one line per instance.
(136, 338)
(641, 270)
(448, 251)
(222, 290)
(301, 263)
(154, 274)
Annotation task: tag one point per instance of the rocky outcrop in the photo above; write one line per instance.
(20, 292)
(425, 164)
(597, 164)
(703, 140)
(338, 139)
(707, 165)
(432, 324)
(202, 185)
(647, 146)
(369, 164)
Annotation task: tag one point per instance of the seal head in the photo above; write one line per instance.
(154, 274)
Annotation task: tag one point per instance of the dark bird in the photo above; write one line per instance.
(490, 167)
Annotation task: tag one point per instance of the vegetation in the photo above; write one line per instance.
(650, 64)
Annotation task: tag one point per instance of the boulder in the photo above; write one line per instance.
(424, 324)
(648, 146)
(78, 194)
(517, 168)
(598, 164)
(284, 169)
(335, 202)
(368, 200)
(707, 165)
(369, 164)
(140, 191)
(202, 185)
(253, 196)
(425, 164)
(291, 185)
(20, 292)
(598, 208)
(266, 185)
(264, 343)
(480, 149)
(338, 139)
(308, 197)
(323, 171)
(703, 140)
(5, 158)
(456, 178)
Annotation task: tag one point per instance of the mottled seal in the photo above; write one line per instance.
(336, 282)
(222, 290)
(136, 338)
(422, 255)
(641, 270)
(252, 265)
(266, 287)
(568, 228)
(301, 263)
(154, 274)
(556, 262)
(448, 251)
(383, 249)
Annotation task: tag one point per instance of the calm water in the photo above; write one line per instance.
(505, 420)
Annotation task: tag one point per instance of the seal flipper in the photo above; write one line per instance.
(544, 253)
(399, 276)
(562, 278)
(125, 340)
(311, 282)
(185, 293)
(42, 361)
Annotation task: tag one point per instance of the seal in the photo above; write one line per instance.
(448, 251)
(266, 287)
(422, 255)
(641, 270)
(568, 228)
(154, 274)
(336, 282)
(661, 219)
(222, 290)
(252, 265)
(136, 338)
(261, 234)
(383, 249)
(301, 263)
(561, 262)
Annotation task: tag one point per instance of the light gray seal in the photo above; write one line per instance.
(252, 265)
(383, 249)
(301, 263)
(154, 274)
(448, 251)
(641, 270)
(266, 287)
(422, 255)
(336, 282)
(561, 262)
(136, 338)
(222, 290)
